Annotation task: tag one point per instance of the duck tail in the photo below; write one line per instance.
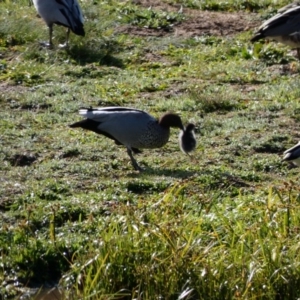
(78, 124)
(78, 29)
(258, 36)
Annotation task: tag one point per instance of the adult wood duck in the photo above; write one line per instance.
(61, 12)
(135, 129)
(284, 27)
(293, 154)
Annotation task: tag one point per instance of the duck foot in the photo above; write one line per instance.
(63, 46)
(46, 45)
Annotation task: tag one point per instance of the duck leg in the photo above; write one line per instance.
(133, 161)
(67, 40)
(50, 45)
(66, 44)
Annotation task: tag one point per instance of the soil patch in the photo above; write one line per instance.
(197, 22)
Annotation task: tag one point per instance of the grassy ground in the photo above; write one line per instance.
(222, 225)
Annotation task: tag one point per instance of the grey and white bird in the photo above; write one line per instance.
(66, 13)
(284, 27)
(293, 154)
(187, 140)
(133, 128)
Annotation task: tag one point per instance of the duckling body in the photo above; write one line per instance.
(133, 128)
(187, 140)
(61, 12)
(284, 27)
(293, 154)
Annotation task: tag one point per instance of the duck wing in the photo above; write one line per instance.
(285, 23)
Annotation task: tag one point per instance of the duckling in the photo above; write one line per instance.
(187, 140)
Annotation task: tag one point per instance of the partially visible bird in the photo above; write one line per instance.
(293, 154)
(284, 27)
(133, 128)
(187, 140)
(61, 12)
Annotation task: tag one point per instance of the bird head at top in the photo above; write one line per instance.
(190, 127)
(171, 120)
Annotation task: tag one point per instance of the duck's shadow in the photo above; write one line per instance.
(175, 173)
(101, 52)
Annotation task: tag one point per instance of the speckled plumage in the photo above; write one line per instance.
(133, 128)
(284, 27)
(293, 154)
(154, 136)
(61, 12)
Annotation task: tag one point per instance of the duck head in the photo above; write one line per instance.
(171, 120)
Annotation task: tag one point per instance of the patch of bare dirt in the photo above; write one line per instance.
(214, 23)
(197, 22)
(7, 87)
(140, 31)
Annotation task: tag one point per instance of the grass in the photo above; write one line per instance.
(221, 225)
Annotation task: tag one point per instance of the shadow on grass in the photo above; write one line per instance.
(175, 173)
(95, 52)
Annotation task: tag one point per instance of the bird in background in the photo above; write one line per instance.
(284, 27)
(66, 13)
(293, 154)
(135, 129)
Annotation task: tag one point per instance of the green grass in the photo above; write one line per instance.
(223, 224)
(231, 5)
